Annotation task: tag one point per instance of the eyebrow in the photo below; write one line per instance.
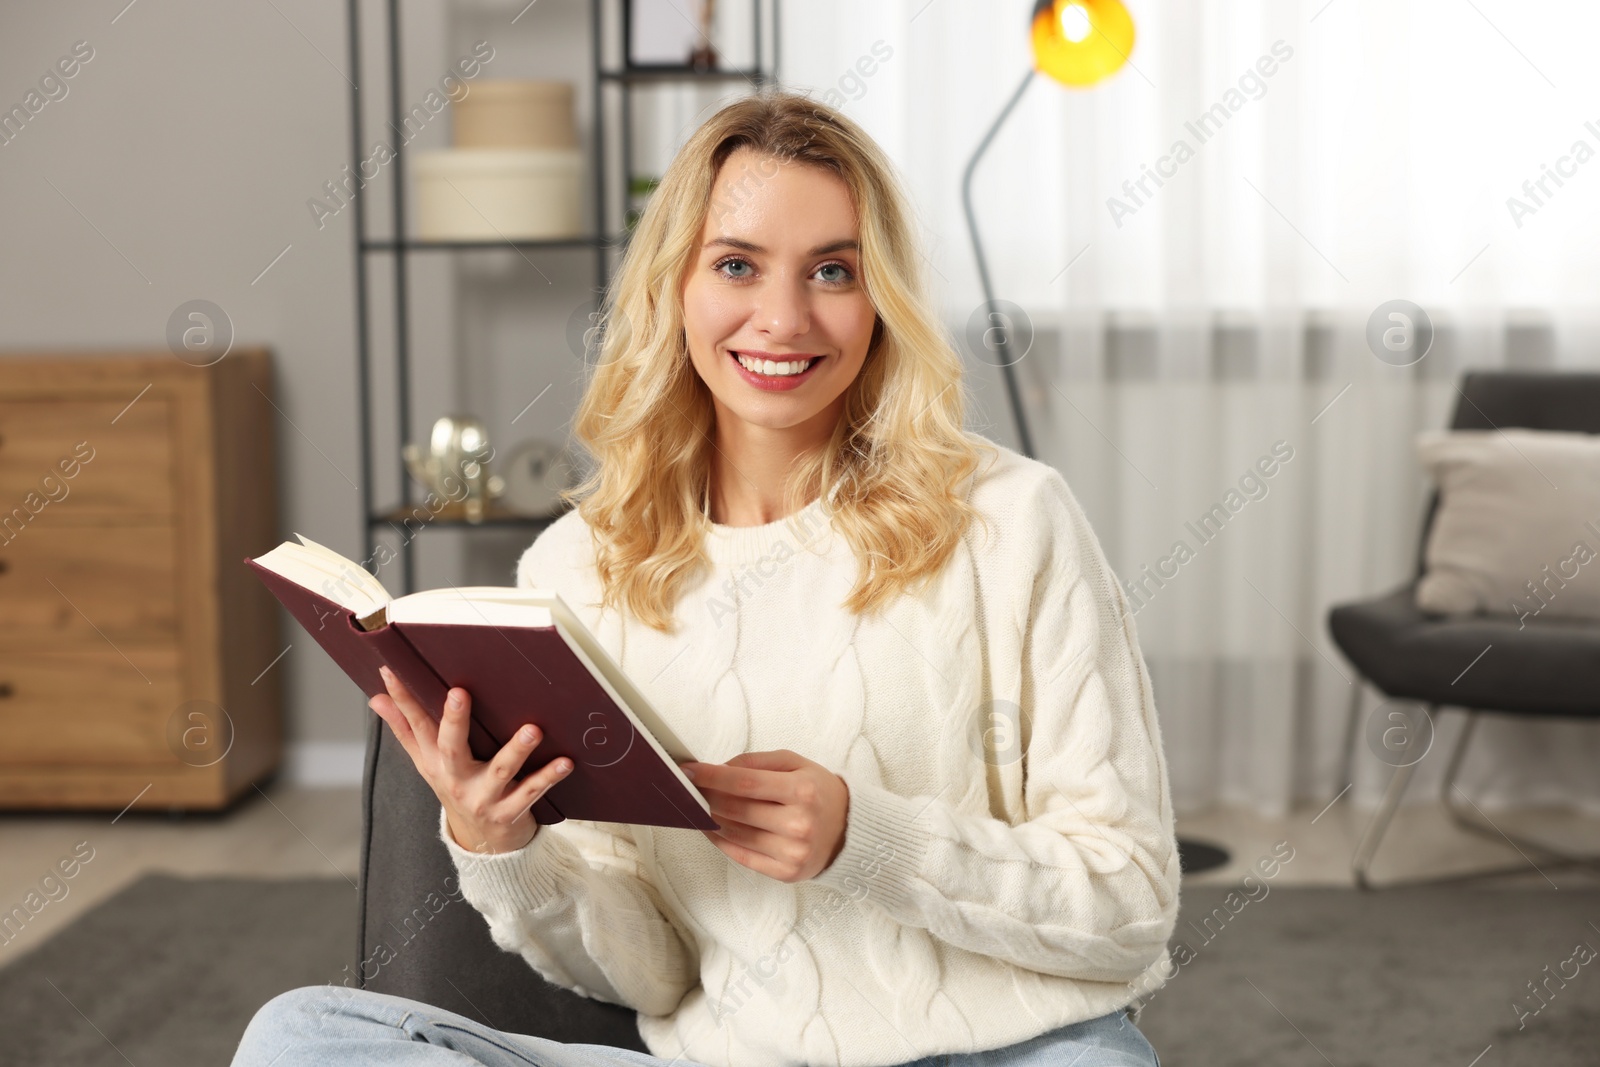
(749, 246)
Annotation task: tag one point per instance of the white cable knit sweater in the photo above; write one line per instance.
(1009, 863)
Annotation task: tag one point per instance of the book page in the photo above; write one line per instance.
(498, 605)
(326, 573)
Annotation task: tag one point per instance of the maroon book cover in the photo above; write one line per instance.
(516, 675)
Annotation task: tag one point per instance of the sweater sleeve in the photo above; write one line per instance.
(575, 904)
(1085, 884)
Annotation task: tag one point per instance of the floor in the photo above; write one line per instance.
(291, 831)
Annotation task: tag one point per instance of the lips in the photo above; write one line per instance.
(775, 357)
(776, 382)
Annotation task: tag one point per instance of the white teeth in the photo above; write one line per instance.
(767, 366)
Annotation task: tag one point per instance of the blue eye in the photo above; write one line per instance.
(730, 262)
(722, 266)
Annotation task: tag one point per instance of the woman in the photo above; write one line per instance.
(925, 725)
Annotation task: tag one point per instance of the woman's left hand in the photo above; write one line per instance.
(782, 815)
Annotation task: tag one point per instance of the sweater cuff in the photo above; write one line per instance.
(885, 841)
(524, 879)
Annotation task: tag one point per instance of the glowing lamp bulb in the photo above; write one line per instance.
(1074, 22)
(1080, 42)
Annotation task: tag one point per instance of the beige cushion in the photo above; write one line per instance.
(1518, 526)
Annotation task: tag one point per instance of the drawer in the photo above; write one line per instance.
(89, 707)
(118, 470)
(85, 585)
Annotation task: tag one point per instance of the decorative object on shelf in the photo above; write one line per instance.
(515, 170)
(456, 465)
(485, 194)
(662, 35)
(516, 113)
(704, 55)
(640, 186)
(535, 474)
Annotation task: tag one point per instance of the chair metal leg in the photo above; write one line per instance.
(1447, 792)
(1362, 860)
(1347, 754)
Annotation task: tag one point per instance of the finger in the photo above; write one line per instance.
(759, 862)
(781, 759)
(744, 781)
(422, 725)
(453, 727)
(383, 707)
(753, 839)
(533, 787)
(763, 814)
(514, 753)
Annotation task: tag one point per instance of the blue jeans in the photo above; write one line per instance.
(333, 1024)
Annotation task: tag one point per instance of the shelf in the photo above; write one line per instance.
(470, 244)
(455, 517)
(682, 74)
(611, 180)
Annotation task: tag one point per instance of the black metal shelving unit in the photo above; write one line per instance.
(605, 239)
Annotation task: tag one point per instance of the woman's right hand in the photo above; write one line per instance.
(486, 811)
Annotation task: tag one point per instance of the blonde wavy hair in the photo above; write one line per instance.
(892, 473)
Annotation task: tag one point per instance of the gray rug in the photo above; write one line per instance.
(1421, 976)
(169, 971)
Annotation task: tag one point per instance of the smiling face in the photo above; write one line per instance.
(776, 280)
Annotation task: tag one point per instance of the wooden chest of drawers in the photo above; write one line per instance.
(134, 644)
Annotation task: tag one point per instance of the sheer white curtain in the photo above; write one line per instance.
(1315, 160)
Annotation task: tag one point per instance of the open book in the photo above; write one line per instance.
(524, 657)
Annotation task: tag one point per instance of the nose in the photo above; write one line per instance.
(783, 310)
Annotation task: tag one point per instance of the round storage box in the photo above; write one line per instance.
(515, 113)
(498, 193)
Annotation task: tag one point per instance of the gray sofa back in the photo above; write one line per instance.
(416, 941)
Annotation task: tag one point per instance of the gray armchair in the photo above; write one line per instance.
(1549, 669)
(416, 941)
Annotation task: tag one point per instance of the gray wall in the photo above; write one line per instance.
(188, 147)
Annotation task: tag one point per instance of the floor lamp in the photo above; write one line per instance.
(1078, 43)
